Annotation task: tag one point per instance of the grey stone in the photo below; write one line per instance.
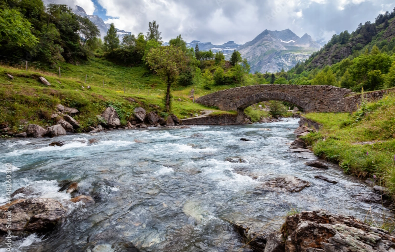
(56, 130)
(275, 243)
(111, 117)
(32, 215)
(317, 164)
(23, 134)
(67, 110)
(10, 76)
(381, 190)
(325, 179)
(72, 121)
(56, 144)
(34, 130)
(175, 120)
(140, 113)
(287, 183)
(44, 81)
(169, 121)
(153, 118)
(298, 144)
(321, 231)
(66, 125)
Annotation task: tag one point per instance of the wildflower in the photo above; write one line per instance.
(367, 153)
(374, 176)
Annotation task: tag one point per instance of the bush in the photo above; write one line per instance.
(277, 109)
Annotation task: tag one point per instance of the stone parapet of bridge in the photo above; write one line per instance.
(310, 98)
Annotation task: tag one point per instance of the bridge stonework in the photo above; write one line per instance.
(310, 98)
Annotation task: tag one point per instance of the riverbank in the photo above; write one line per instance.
(362, 143)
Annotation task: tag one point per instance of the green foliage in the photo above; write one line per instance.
(153, 32)
(111, 40)
(390, 78)
(179, 42)
(235, 58)
(325, 77)
(256, 115)
(16, 30)
(219, 57)
(277, 109)
(168, 62)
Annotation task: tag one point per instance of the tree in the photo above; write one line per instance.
(390, 78)
(153, 32)
(88, 30)
(15, 29)
(325, 77)
(235, 58)
(346, 81)
(129, 40)
(179, 42)
(277, 109)
(219, 57)
(197, 52)
(272, 79)
(168, 62)
(111, 40)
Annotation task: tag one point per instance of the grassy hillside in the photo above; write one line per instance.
(363, 143)
(26, 100)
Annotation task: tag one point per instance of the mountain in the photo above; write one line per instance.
(272, 51)
(99, 22)
(380, 33)
(226, 48)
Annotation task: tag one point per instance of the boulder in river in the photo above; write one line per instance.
(325, 179)
(72, 121)
(83, 198)
(56, 144)
(287, 183)
(140, 113)
(298, 144)
(22, 135)
(317, 164)
(34, 130)
(245, 139)
(32, 215)
(321, 231)
(56, 130)
(111, 117)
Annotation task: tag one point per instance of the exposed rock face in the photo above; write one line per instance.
(56, 130)
(153, 118)
(169, 121)
(287, 183)
(32, 215)
(140, 113)
(320, 231)
(111, 117)
(66, 110)
(34, 130)
(66, 125)
(317, 164)
(44, 81)
(72, 121)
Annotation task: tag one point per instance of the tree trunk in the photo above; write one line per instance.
(168, 95)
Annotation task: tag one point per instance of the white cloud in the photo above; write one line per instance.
(87, 5)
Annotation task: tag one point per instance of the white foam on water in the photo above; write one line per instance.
(180, 148)
(114, 143)
(20, 142)
(5, 167)
(33, 238)
(47, 189)
(72, 145)
(164, 170)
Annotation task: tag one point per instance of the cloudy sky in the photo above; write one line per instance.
(219, 21)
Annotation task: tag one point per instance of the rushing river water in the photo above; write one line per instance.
(173, 190)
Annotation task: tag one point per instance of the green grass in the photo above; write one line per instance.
(363, 143)
(26, 100)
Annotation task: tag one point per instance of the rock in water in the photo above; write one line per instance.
(320, 231)
(32, 215)
(140, 113)
(325, 179)
(56, 130)
(245, 139)
(111, 117)
(66, 125)
(317, 164)
(56, 144)
(72, 121)
(83, 198)
(34, 130)
(23, 134)
(153, 118)
(298, 144)
(287, 183)
(44, 81)
(169, 121)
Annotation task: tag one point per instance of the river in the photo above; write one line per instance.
(173, 189)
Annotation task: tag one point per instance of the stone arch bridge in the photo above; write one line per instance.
(309, 98)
